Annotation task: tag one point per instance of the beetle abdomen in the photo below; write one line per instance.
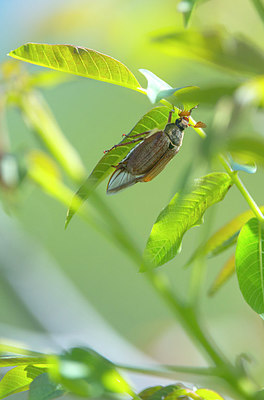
(147, 153)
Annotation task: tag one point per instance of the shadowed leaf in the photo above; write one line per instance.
(250, 147)
(79, 61)
(41, 388)
(250, 264)
(226, 272)
(183, 212)
(224, 237)
(216, 48)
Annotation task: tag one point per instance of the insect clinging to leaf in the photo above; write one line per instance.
(153, 152)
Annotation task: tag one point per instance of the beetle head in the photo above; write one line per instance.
(183, 121)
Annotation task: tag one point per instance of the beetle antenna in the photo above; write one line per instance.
(193, 108)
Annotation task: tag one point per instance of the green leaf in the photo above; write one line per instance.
(224, 237)
(249, 147)
(43, 389)
(158, 393)
(216, 48)
(146, 393)
(84, 372)
(250, 264)
(155, 118)
(226, 272)
(79, 61)
(207, 394)
(17, 380)
(183, 212)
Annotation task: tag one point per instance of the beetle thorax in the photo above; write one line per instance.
(174, 134)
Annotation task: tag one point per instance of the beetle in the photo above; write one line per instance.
(153, 152)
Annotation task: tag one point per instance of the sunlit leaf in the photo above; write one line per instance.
(217, 48)
(9, 348)
(226, 272)
(158, 392)
(79, 61)
(207, 394)
(40, 119)
(84, 372)
(41, 388)
(177, 392)
(17, 380)
(8, 361)
(250, 264)
(183, 212)
(224, 237)
(155, 118)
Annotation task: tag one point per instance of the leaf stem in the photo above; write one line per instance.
(241, 187)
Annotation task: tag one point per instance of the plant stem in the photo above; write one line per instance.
(239, 184)
(168, 370)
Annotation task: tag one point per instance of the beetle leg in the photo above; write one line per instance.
(139, 134)
(198, 124)
(122, 144)
(170, 115)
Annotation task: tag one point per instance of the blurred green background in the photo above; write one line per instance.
(93, 115)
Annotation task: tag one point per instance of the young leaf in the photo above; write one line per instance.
(86, 373)
(226, 272)
(79, 61)
(41, 388)
(17, 380)
(224, 237)
(183, 212)
(155, 118)
(158, 392)
(158, 89)
(250, 264)
(216, 48)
